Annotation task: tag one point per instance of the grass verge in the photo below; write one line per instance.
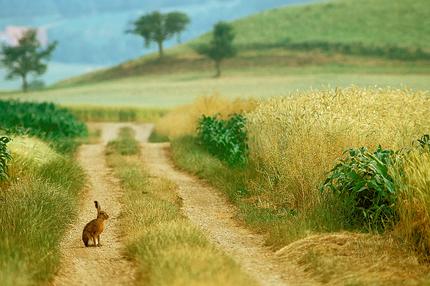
(37, 203)
(167, 248)
(116, 114)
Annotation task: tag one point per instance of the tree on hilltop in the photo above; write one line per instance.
(220, 47)
(158, 27)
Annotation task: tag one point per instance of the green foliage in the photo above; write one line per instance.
(43, 120)
(363, 179)
(424, 142)
(221, 46)
(4, 157)
(25, 58)
(225, 139)
(158, 27)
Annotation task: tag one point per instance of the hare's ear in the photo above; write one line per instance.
(98, 207)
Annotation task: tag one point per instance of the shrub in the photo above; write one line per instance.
(363, 180)
(225, 139)
(4, 157)
(184, 120)
(43, 120)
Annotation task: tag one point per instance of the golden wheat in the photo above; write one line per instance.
(294, 141)
(413, 207)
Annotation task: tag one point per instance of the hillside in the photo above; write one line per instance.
(389, 36)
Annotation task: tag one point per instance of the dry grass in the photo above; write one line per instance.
(183, 120)
(295, 141)
(356, 259)
(413, 178)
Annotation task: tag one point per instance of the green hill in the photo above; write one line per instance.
(402, 24)
(382, 35)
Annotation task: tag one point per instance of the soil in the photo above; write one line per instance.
(202, 204)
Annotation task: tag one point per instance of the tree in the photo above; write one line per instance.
(157, 27)
(26, 58)
(220, 47)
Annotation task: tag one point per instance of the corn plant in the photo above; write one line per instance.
(226, 139)
(4, 157)
(363, 179)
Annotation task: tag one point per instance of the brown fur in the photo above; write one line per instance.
(94, 228)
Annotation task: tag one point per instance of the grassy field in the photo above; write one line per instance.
(169, 91)
(167, 248)
(39, 201)
(372, 23)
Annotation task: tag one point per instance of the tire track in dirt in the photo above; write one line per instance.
(104, 265)
(210, 211)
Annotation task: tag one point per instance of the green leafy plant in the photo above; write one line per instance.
(4, 157)
(363, 179)
(44, 120)
(226, 139)
(424, 142)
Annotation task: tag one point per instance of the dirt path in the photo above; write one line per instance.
(104, 265)
(212, 213)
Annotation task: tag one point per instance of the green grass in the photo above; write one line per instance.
(156, 137)
(116, 114)
(38, 203)
(372, 23)
(167, 248)
(172, 90)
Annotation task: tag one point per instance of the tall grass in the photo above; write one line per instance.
(167, 248)
(116, 114)
(293, 144)
(413, 206)
(38, 201)
(184, 120)
(295, 141)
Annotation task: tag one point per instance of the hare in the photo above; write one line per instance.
(94, 228)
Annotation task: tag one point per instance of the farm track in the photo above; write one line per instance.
(104, 265)
(210, 211)
(202, 204)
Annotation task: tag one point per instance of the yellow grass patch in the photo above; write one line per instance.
(184, 120)
(355, 259)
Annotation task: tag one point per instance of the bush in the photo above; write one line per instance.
(226, 139)
(363, 180)
(4, 157)
(43, 120)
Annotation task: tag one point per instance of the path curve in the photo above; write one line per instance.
(104, 265)
(210, 211)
